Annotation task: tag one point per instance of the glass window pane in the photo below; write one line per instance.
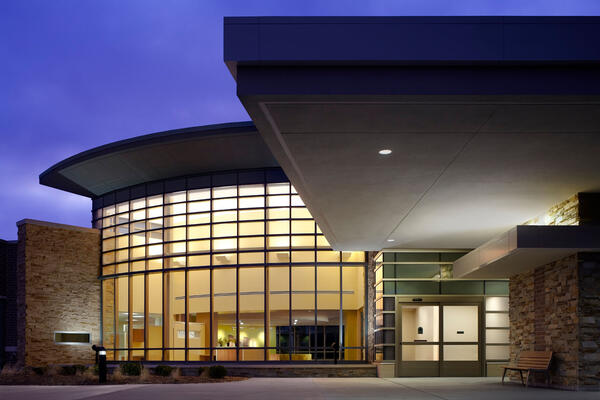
(322, 242)
(225, 204)
(278, 201)
(251, 243)
(195, 219)
(303, 226)
(497, 352)
(198, 194)
(303, 256)
(175, 197)
(252, 202)
(496, 304)
(303, 311)
(250, 215)
(278, 242)
(353, 256)
(252, 190)
(199, 261)
(137, 317)
(138, 203)
(224, 216)
(175, 318)
(278, 227)
(224, 310)
(224, 191)
(303, 241)
(173, 234)
(252, 329)
(155, 212)
(278, 213)
(328, 256)
(154, 200)
(279, 318)
(224, 230)
(225, 259)
(172, 209)
(154, 323)
(199, 232)
(252, 258)
(178, 220)
(251, 228)
(353, 301)
(224, 244)
(497, 336)
(198, 246)
(138, 215)
(199, 313)
(300, 213)
(122, 303)
(297, 201)
(278, 188)
(198, 206)
(496, 320)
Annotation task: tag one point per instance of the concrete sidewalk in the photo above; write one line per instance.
(303, 388)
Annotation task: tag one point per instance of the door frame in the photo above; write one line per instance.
(428, 368)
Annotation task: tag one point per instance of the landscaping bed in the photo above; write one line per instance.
(127, 373)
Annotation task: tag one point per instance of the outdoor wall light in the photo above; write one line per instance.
(391, 240)
(385, 152)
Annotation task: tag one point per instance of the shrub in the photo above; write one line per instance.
(131, 368)
(163, 370)
(72, 369)
(217, 372)
(201, 370)
(39, 370)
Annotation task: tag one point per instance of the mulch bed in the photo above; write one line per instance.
(31, 378)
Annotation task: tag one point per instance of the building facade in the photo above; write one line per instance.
(418, 193)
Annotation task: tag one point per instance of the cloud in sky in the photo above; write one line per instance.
(76, 74)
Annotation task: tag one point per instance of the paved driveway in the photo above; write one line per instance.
(302, 388)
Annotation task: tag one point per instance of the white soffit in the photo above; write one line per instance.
(462, 170)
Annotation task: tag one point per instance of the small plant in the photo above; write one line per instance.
(131, 368)
(201, 370)
(39, 370)
(217, 372)
(163, 370)
(73, 369)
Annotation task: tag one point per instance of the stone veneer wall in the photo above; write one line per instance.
(561, 316)
(564, 213)
(371, 305)
(58, 290)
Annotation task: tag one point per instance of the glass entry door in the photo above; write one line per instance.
(420, 340)
(439, 339)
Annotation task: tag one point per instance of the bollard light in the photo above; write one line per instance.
(101, 362)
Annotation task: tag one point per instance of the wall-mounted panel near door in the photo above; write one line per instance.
(439, 337)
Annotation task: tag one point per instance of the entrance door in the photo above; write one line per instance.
(438, 339)
(419, 350)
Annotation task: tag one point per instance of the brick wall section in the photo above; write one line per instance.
(58, 290)
(571, 328)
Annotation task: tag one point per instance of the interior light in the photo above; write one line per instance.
(385, 152)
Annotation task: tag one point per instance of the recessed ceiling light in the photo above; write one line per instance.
(390, 240)
(385, 152)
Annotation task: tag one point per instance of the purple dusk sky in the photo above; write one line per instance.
(80, 73)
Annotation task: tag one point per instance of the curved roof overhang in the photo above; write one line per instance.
(161, 155)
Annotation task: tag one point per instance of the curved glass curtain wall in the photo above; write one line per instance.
(230, 273)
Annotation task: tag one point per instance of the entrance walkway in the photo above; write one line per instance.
(303, 388)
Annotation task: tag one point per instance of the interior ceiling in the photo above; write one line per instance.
(461, 171)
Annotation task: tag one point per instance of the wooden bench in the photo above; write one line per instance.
(530, 361)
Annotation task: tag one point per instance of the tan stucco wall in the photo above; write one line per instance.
(59, 290)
